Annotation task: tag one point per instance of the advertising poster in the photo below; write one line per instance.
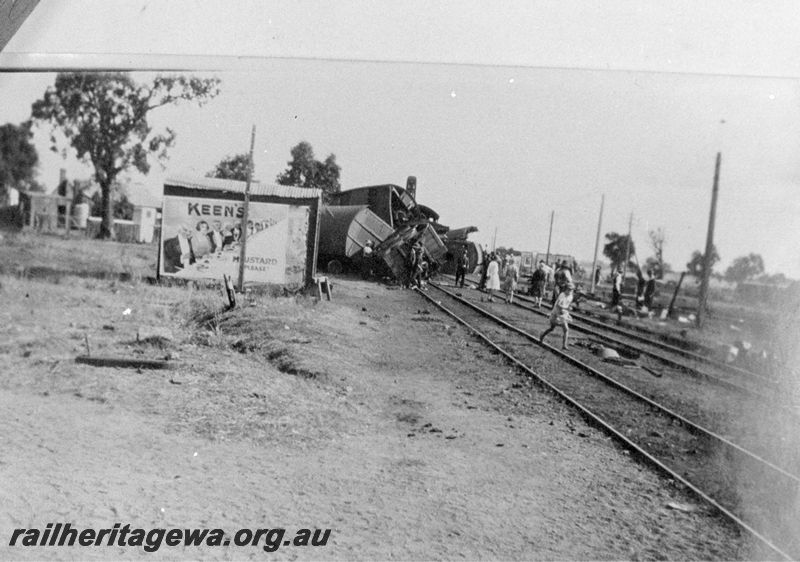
(202, 239)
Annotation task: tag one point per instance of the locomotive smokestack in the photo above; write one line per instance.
(411, 186)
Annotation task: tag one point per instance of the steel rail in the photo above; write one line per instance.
(667, 347)
(619, 386)
(597, 421)
(663, 358)
(662, 345)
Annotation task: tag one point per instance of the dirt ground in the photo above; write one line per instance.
(372, 415)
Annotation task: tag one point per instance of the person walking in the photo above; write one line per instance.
(640, 283)
(411, 267)
(419, 266)
(597, 276)
(616, 287)
(559, 316)
(484, 268)
(562, 278)
(510, 279)
(462, 265)
(492, 277)
(538, 283)
(649, 290)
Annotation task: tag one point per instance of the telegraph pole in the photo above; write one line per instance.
(627, 249)
(597, 240)
(549, 237)
(494, 239)
(246, 211)
(701, 305)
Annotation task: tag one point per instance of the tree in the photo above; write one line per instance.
(745, 268)
(695, 265)
(658, 269)
(616, 248)
(232, 168)
(18, 157)
(305, 171)
(123, 208)
(104, 118)
(657, 238)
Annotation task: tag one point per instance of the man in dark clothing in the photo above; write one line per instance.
(484, 268)
(640, 283)
(462, 264)
(538, 283)
(597, 276)
(649, 290)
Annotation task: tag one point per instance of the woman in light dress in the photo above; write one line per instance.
(492, 277)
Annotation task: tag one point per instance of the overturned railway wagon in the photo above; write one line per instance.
(344, 231)
(388, 215)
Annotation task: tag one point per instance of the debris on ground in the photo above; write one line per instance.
(686, 508)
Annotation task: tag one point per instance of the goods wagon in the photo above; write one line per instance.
(344, 231)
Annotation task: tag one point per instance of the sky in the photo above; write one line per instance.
(504, 113)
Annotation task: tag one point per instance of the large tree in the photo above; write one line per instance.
(104, 118)
(745, 268)
(232, 168)
(18, 157)
(305, 171)
(617, 248)
(695, 265)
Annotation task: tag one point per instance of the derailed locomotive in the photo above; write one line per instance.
(388, 216)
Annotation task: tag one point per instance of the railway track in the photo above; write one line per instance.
(723, 373)
(720, 373)
(655, 343)
(755, 493)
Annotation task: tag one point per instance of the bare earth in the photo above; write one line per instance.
(372, 415)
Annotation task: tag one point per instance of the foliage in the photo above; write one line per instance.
(104, 118)
(503, 251)
(616, 248)
(657, 238)
(18, 157)
(695, 265)
(123, 208)
(658, 269)
(234, 167)
(774, 279)
(745, 268)
(305, 171)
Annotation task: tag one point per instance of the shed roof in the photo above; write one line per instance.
(236, 186)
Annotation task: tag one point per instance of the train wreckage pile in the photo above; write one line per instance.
(389, 218)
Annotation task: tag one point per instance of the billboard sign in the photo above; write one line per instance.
(201, 239)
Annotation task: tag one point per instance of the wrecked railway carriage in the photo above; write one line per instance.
(390, 217)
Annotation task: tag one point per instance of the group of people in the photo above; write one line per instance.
(493, 269)
(645, 289)
(418, 267)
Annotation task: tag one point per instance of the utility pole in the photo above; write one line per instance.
(627, 250)
(246, 211)
(549, 237)
(494, 239)
(701, 305)
(597, 240)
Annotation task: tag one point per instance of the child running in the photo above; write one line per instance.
(560, 315)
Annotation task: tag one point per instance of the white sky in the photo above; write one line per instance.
(503, 111)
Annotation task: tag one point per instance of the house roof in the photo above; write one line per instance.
(236, 186)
